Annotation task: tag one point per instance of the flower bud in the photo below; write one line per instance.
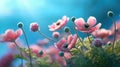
(34, 27)
(56, 34)
(67, 29)
(110, 14)
(73, 19)
(20, 24)
(41, 52)
(61, 54)
(98, 42)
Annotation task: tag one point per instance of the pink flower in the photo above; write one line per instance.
(88, 27)
(54, 55)
(66, 45)
(43, 42)
(7, 60)
(36, 49)
(10, 35)
(59, 24)
(34, 27)
(102, 33)
(52, 51)
(56, 34)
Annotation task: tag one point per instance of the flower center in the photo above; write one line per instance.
(86, 25)
(65, 45)
(58, 23)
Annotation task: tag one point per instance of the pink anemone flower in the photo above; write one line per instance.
(54, 56)
(88, 27)
(6, 61)
(10, 35)
(67, 44)
(59, 24)
(102, 33)
(35, 50)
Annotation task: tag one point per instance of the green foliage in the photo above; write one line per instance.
(83, 55)
(93, 56)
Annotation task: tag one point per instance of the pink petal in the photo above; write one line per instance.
(19, 32)
(10, 34)
(91, 21)
(95, 28)
(69, 39)
(60, 43)
(65, 18)
(73, 42)
(79, 22)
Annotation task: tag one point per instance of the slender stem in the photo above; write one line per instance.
(70, 53)
(46, 36)
(28, 47)
(78, 50)
(77, 34)
(65, 60)
(20, 53)
(89, 38)
(114, 34)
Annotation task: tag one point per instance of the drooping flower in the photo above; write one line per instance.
(102, 33)
(67, 44)
(10, 35)
(59, 24)
(88, 27)
(98, 42)
(34, 27)
(56, 34)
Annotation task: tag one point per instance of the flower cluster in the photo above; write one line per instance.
(68, 49)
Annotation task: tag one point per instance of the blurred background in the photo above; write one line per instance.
(45, 12)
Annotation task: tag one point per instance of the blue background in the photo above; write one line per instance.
(45, 12)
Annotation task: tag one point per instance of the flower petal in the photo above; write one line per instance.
(60, 43)
(73, 42)
(79, 22)
(95, 28)
(91, 21)
(19, 32)
(69, 39)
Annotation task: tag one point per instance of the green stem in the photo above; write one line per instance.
(28, 47)
(77, 34)
(20, 53)
(80, 52)
(114, 34)
(66, 61)
(89, 38)
(46, 36)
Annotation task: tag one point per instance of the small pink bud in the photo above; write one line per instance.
(34, 27)
(56, 34)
